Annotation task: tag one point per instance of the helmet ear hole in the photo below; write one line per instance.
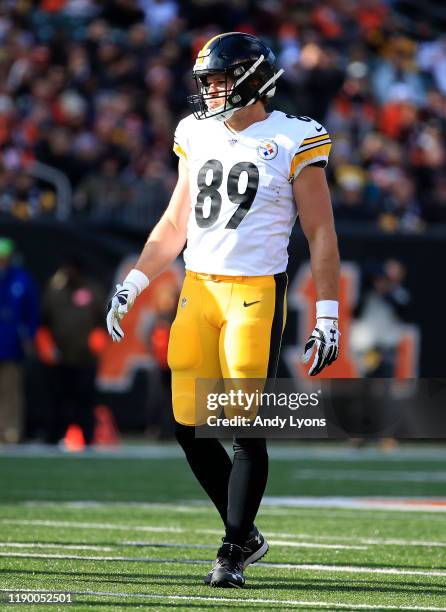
(238, 71)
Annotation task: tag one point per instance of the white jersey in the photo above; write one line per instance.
(242, 205)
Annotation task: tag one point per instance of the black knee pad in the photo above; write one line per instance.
(250, 447)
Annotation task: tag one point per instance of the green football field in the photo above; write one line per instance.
(348, 530)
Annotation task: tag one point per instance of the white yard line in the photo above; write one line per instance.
(142, 544)
(192, 506)
(284, 505)
(291, 566)
(369, 475)
(297, 543)
(81, 525)
(394, 514)
(239, 600)
(360, 540)
(117, 558)
(52, 545)
(405, 504)
(274, 534)
(171, 450)
(279, 542)
(315, 545)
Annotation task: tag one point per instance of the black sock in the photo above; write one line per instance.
(246, 487)
(210, 463)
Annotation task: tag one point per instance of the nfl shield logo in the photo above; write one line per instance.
(267, 149)
(183, 302)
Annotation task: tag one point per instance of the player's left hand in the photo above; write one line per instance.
(324, 341)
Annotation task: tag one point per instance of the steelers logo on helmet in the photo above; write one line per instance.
(267, 149)
(245, 66)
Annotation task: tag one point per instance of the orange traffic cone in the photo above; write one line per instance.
(106, 432)
(74, 438)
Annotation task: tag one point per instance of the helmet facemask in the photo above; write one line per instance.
(245, 83)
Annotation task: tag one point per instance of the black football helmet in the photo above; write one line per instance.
(249, 69)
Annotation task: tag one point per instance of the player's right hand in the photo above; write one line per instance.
(118, 306)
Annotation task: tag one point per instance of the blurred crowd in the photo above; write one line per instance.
(92, 90)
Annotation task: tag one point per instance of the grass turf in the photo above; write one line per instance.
(89, 537)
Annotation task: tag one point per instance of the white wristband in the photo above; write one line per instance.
(327, 308)
(137, 278)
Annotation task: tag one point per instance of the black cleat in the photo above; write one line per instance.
(254, 548)
(228, 570)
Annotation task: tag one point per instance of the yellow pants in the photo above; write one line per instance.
(225, 327)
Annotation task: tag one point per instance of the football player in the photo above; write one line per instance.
(244, 175)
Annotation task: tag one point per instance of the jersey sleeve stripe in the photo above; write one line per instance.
(307, 147)
(179, 151)
(315, 138)
(313, 150)
(313, 146)
(317, 151)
